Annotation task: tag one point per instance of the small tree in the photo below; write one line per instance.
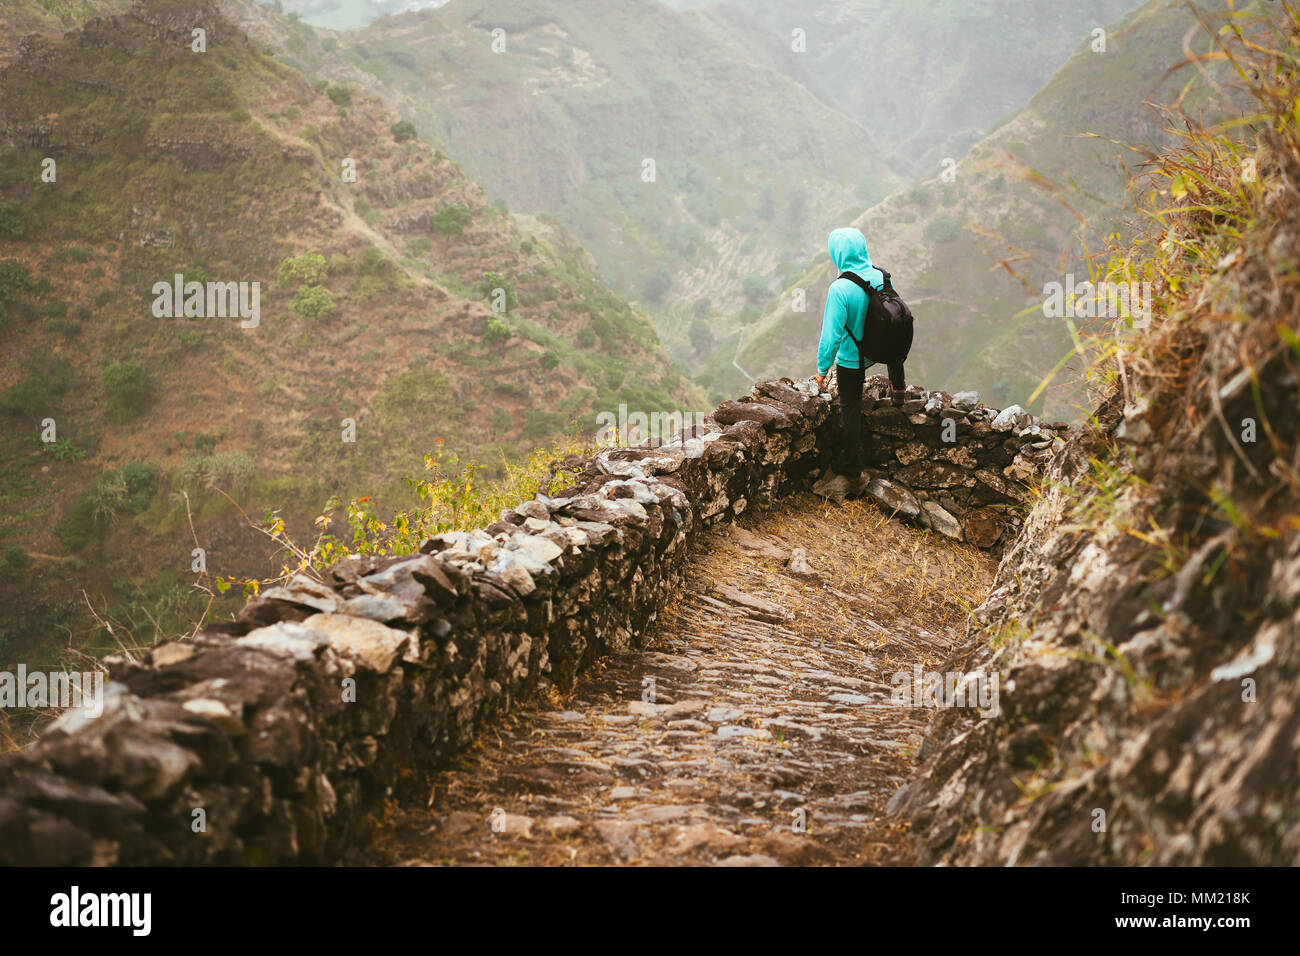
(312, 301)
(452, 220)
(309, 268)
(497, 332)
(404, 131)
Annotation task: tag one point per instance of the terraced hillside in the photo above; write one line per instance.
(560, 111)
(379, 267)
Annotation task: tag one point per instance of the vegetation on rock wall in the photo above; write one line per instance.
(1144, 625)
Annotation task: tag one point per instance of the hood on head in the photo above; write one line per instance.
(848, 249)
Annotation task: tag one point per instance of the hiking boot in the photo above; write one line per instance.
(832, 487)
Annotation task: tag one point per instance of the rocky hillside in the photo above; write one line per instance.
(396, 307)
(971, 252)
(18, 18)
(1144, 626)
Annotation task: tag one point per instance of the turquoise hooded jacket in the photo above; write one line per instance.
(846, 303)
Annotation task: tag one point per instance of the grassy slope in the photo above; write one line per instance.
(587, 90)
(965, 301)
(220, 165)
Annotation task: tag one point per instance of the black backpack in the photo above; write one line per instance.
(887, 326)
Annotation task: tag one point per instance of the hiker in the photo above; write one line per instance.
(848, 342)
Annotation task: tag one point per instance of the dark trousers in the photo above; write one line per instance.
(848, 454)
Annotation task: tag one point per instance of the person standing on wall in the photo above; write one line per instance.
(865, 323)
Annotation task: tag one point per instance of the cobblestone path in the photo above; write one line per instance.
(756, 728)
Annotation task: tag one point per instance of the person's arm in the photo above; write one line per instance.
(833, 319)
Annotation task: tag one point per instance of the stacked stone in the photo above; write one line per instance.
(952, 464)
(270, 738)
(267, 739)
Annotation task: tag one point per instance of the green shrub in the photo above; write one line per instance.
(452, 220)
(127, 386)
(309, 268)
(404, 131)
(140, 481)
(497, 332)
(65, 450)
(312, 301)
(375, 263)
(341, 95)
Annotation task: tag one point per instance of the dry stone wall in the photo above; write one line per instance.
(270, 738)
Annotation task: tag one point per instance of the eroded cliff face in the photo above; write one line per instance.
(1144, 624)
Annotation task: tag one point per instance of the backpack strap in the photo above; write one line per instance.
(868, 288)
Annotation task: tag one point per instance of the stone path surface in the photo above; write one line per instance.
(756, 728)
